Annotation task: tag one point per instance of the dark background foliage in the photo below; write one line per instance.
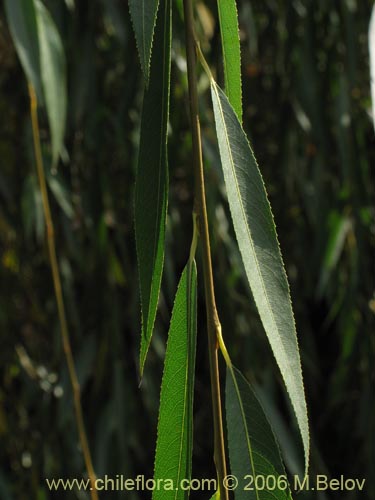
(306, 110)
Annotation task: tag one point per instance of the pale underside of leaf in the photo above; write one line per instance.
(53, 74)
(143, 14)
(175, 427)
(22, 22)
(230, 41)
(151, 191)
(252, 446)
(257, 239)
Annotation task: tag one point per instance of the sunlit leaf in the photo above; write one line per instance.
(143, 14)
(231, 53)
(175, 427)
(22, 22)
(256, 235)
(253, 450)
(53, 74)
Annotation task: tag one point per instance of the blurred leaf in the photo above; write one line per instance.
(41, 53)
(175, 428)
(22, 22)
(283, 435)
(53, 74)
(61, 193)
(32, 208)
(371, 38)
(252, 446)
(151, 191)
(339, 226)
(231, 53)
(143, 14)
(257, 240)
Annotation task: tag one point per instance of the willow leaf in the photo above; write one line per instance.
(22, 23)
(256, 235)
(175, 428)
(252, 446)
(53, 75)
(230, 41)
(151, 191)
(143, 15)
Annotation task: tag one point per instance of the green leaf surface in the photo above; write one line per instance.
(175, 428)
(256, 235)
(230, 41)
(143, 15)
(252, 446)
(151, 191)
(22, 23)
(53, 74)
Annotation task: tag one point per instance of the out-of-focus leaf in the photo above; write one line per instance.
(151, 192)
(175, 428)
(283, 435)
(143, 14)
(41, 53)
(256, 235)
(371, 41)
(61, 194)
(339, 226)
(252, 446)
(32, 209)
(53, 74)
(231, 53)
(22, 22)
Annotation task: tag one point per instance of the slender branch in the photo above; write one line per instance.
(59, 296)
(213, 324)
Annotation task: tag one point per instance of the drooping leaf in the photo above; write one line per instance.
(22, 22)
(256, 235)
(175, 428)
(253, 450)
(53, 75)
(151, 191)
(230, 41)
(143, 14)
(41, 53)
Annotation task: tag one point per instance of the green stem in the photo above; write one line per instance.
(213, 323)
(59, 296)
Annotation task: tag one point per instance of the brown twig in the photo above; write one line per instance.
(213, 324)
(59, 296)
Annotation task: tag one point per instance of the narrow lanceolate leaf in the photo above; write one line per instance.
(230, 41)
(151, 191)
(143, 14)
(253, 450)
(53, 73)
(175, 428)
(22, 22)
(257, 239)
